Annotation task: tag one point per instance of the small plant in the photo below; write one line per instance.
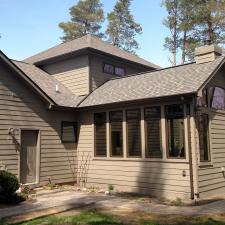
(110, 188)
(177, 202)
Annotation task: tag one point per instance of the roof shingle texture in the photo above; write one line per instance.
(47, 84)
(166, 82)
(87, 41)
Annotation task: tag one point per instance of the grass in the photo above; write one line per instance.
(92, 217)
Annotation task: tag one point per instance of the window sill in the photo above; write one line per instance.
(140, 160)
(205, 164)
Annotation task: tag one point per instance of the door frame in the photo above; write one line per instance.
(38, 154)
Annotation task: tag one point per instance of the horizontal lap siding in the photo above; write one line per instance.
(73, 73)
(20, 108)
(156, 178)
(211, 179)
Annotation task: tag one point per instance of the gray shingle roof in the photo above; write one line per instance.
(87, 41)
(47, 84)
(166, 82)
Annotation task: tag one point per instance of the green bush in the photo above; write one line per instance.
(13, 199)
(8, 183)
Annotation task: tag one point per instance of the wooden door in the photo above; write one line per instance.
(28, 156)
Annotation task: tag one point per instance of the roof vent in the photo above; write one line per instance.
(207, 53)
(56, 88)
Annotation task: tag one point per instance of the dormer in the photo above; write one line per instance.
(85, 63)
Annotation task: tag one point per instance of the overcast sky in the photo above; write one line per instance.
(30, 26)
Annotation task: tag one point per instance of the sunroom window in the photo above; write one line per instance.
(203, 133)
(153, 132)
(116, 132)
(133, 118)
(175, 131)
(100, 134)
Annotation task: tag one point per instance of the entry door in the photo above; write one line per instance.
(28, 156)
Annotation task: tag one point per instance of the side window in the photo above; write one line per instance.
(153, 132)
(217, 98)
(116, 132)
(175, 131)
(69, 132)
(133, 118)
(108, 68)
(203, 131)
(100, 134)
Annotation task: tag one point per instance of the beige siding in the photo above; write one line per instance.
(162, 179)
(20, 108)
(97, 75)
(211, 178)
(73, 73)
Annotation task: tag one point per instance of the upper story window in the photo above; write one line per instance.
(114, 70)
(69, 132)
(108, 68)
(217, 98)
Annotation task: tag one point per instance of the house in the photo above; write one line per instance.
(87, 112)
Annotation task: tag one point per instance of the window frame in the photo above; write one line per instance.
(146, 133)
(114, 69)
(110, 135)
(167, 134)
(127, 133)
(75, 129)
(95, 155)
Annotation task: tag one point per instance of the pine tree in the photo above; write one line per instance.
(122, 28)
(172, 22)
(86, 18)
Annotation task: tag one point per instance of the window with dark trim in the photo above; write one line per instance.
(108, 68)
(116, 132)
(217, 98)
(119, 71)
(68, 132)
(114, 70)
(153, 132)
(174, 115)
(100, 133)
(203, 133)
(133, 118)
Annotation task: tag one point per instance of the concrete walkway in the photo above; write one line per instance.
(66, 200)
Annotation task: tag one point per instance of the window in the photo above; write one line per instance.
(119, 71)
(107, 68)
(153, 132)
(114, 70)
(69, 132)
(203, 131)
(133, 118)
(217, 98)
(116, 131)
(175, 131)
(100, 134)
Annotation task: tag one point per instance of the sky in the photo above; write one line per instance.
(28, 27)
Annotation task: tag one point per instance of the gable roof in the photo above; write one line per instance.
(178, 80)
(85, 42)
(47, 84)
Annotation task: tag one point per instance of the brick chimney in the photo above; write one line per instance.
(207, 53)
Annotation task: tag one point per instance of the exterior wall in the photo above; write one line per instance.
(20, 108)
(97, 75)
(73, 73)
(157, 177)
(211, 179)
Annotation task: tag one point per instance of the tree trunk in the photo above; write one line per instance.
(210, 31)
(184, 42)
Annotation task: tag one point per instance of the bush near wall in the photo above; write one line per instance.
(9, 184)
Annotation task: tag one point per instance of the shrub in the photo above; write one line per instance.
(110, 188)
(8, 183)
(13, 199)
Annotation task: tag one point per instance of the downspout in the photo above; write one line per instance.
(193, 154)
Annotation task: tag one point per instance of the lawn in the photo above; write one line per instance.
(92, 217)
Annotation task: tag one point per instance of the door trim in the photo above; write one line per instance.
(38, 154)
